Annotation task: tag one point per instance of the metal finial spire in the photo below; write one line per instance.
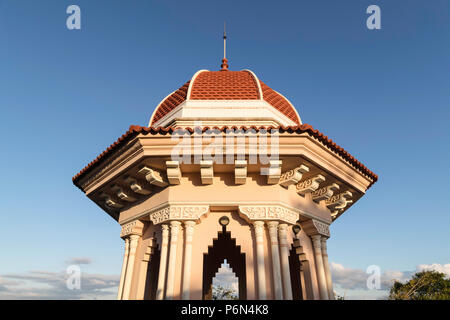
(224, 64)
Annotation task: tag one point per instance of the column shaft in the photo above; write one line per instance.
(321, 279)
(189, 232)
(259, 232)
(284, 254)
(273, 232)
(163, 262)
(124, 269)
(174, 229)
(130, 266)
(326, 267)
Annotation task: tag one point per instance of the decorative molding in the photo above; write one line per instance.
(109, 202)
(153, 177)
(240, 171)
(269, 212)
(177, 212)
(274, 172)
(293, 176)
(206, 171)
(315, 227)
(122, 195)
(173, 172)
(132, 228)
(309, 185)
(339, 201)
(137, 187)
(324, 193)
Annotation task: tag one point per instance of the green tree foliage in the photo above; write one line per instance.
(222, 293)
(425, 285)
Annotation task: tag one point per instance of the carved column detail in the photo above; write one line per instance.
(189, 233)
(174, 229)
(124, 268)
(134, 239)
(163, 262)
(326, 267)
(321, 279)
(259, 234)
(276, 269)
(284, 248)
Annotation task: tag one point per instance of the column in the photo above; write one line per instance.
(326, 267)
(162, 262)
(321, 279)
(189, 232)
(259, 232)
(273, 232)
(124, 268)
(284, 254)
(174, 228)
(134, 238)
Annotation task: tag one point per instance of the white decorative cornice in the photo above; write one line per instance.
(240, 171)
(153, 177)
(309, 185)
(178, 212)
(324, 193)
(269, 212)
(173, 172)
(274, 173)
(206, 171)
(293, 176)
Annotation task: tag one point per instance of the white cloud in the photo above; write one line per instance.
(52, 285)
(353, 282)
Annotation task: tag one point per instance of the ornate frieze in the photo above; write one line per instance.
(132, 228)
(324, 193)
(269, 212)
(292, 176)
(309, 185)
(178, 212)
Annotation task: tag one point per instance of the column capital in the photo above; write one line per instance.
(315, 227)
(135, 227)
(268, 212)
(178, 212)
(316, 241)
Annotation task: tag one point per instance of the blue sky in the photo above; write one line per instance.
(65, 95)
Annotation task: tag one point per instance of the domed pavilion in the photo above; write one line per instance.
(225, 170)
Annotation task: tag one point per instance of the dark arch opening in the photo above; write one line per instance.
(294, 267)
(224, 247)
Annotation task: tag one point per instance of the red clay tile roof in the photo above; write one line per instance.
(225, 85)
(133, 131)
(171, 102)
(220, 85)
(279, 102)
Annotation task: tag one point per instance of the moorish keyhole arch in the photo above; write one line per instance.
(224, 247)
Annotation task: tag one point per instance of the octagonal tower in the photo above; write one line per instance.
(225, 147)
